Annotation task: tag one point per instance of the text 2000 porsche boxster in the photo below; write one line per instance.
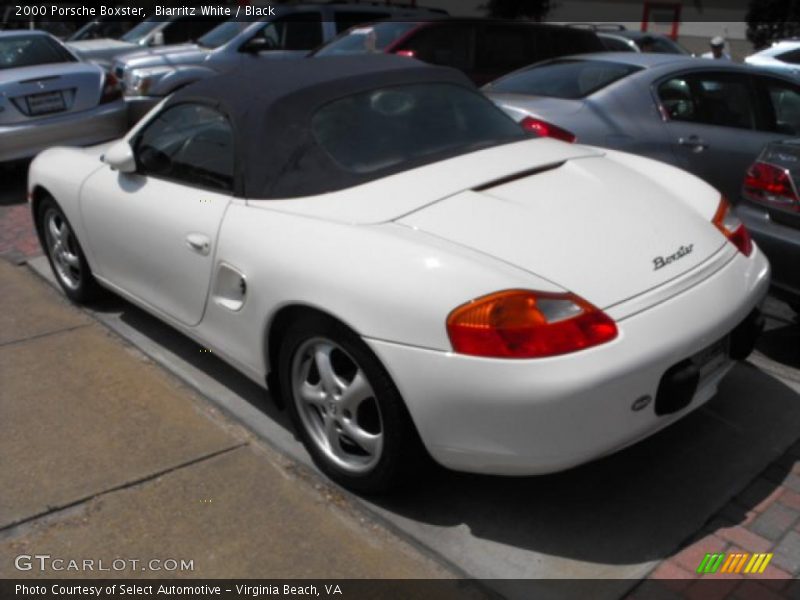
(407, 269)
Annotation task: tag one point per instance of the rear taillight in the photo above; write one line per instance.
(526, 324)
(732, 228)
(546, 129)
(768, 184)
(406, 53)
(111, 89)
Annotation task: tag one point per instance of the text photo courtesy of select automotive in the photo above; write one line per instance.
(441, 299)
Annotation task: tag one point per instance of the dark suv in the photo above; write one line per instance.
(483, 49)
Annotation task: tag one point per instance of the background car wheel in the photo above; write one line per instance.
(345, 408)
(65, 254)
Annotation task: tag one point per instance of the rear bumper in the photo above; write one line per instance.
(537, 416)
(106, 122)
(781, 244)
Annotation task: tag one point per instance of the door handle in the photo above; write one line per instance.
(694, 143)
(199, 243)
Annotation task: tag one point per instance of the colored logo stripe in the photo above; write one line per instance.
(734, 563)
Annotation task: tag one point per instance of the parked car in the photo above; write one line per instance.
(617, 38)
(481, 48)
(153, 31)
(770, 209)
(639, 41)
(711, 119)
(408, 269)
(48, 97)
(151, 75)
(782, 57)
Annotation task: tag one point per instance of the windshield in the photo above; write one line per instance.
(569, 79)
(366, 39)
(142, 30)
(223, 33)
(31, 50)
(387, 127)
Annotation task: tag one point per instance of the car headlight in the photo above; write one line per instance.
(140, 81)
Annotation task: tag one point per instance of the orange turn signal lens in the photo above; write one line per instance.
(732, 228)
(527, 324)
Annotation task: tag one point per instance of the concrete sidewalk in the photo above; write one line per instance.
(109, 457)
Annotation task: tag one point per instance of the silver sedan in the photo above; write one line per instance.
(711, 118)
(48, 97)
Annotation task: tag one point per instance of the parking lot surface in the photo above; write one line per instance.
(723, 478)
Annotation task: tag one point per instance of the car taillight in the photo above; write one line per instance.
(546, 129)
(772, 185)
(527, 324)
(732, 228)
(111, 89)
(406, 53)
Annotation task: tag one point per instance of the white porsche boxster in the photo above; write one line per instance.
(408, 271)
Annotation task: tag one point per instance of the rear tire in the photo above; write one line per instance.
(345, 408)
(65, 254)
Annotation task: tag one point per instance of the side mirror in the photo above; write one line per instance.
(257, 44)
(120, 157)
(157, 39)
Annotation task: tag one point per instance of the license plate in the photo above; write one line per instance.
(47, 102)
(712, 358)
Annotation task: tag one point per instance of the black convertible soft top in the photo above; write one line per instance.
(271, 104)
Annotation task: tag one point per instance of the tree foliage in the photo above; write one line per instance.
(518, 9)
(771, 20)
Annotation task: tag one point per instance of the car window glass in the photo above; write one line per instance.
(29, 50)
(387, 127)
(792, 57)
(345, 19)
(505, 48)
(447, 45)
(720, 99)
(190, 143)
(784, 106)
(564, 78)
(614, 44)
(294, 32)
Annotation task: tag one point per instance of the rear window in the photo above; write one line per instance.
(367, 39)
(403, 124)
(30, 50)
(564, 78)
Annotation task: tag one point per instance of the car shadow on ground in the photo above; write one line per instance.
(192, 353)
(632, 507)
(13, 181)
(626, 508)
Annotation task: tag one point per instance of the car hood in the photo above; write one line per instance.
(591, 225)
(169, 55)
(102, 44)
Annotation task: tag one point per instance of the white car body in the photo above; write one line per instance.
(776, 58)
(589, 223)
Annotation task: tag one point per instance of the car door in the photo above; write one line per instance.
(152, 233)
(712, 125)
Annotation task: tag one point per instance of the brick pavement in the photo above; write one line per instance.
(764, 517)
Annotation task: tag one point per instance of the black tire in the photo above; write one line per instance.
(402, 453)
(79, 284)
